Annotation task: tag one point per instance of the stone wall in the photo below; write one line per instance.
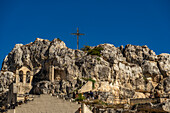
(143, 101)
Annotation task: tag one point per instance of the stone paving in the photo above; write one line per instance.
(47, 104)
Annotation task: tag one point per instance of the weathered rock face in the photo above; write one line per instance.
(6, 78)
(133, 71)
(163, 64)
(111, 54)
(166, 107)
(167, 84)
(137, 54)
(150, 68)
(128, 75)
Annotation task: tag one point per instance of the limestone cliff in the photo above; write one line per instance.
(122, 72)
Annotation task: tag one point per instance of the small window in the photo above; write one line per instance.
(21, 76)
(28, 77)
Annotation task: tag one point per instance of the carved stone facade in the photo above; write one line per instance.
(56, 74)
(23, 80)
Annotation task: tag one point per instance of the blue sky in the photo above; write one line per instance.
(119, 22)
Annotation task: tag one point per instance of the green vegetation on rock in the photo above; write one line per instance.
(59, 40)
(94, 51)
(86, 48)
(90, 79)
(80, 97)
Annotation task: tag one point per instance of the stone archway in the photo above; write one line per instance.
(26, 72)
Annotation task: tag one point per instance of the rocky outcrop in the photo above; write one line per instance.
(6, 78)
(150, 68)
(137, 54)
(166, 85)
(163, 64)
(166, 107)
(130, 72)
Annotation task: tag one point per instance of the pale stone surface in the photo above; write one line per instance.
(6, 78)
(136, 54)
(139, 95)
(118, 71)
(164, 61)
(103, 72)
(150, 68)
(47, 104)
(111, 53)
(85, 109)
(87, 87)
(104, 87)
(166, 84)
(166, 107)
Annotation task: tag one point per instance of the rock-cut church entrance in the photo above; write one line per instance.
(59, 74)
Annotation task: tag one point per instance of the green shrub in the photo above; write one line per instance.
(98, 59)
(80, 97)
(58, 40)
(86, 48)
(93, 82)
(95, 51)
(145, 79)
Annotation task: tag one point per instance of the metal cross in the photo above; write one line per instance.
(77, 36)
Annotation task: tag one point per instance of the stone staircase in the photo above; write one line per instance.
(46, 104)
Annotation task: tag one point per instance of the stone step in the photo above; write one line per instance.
(46, 104)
